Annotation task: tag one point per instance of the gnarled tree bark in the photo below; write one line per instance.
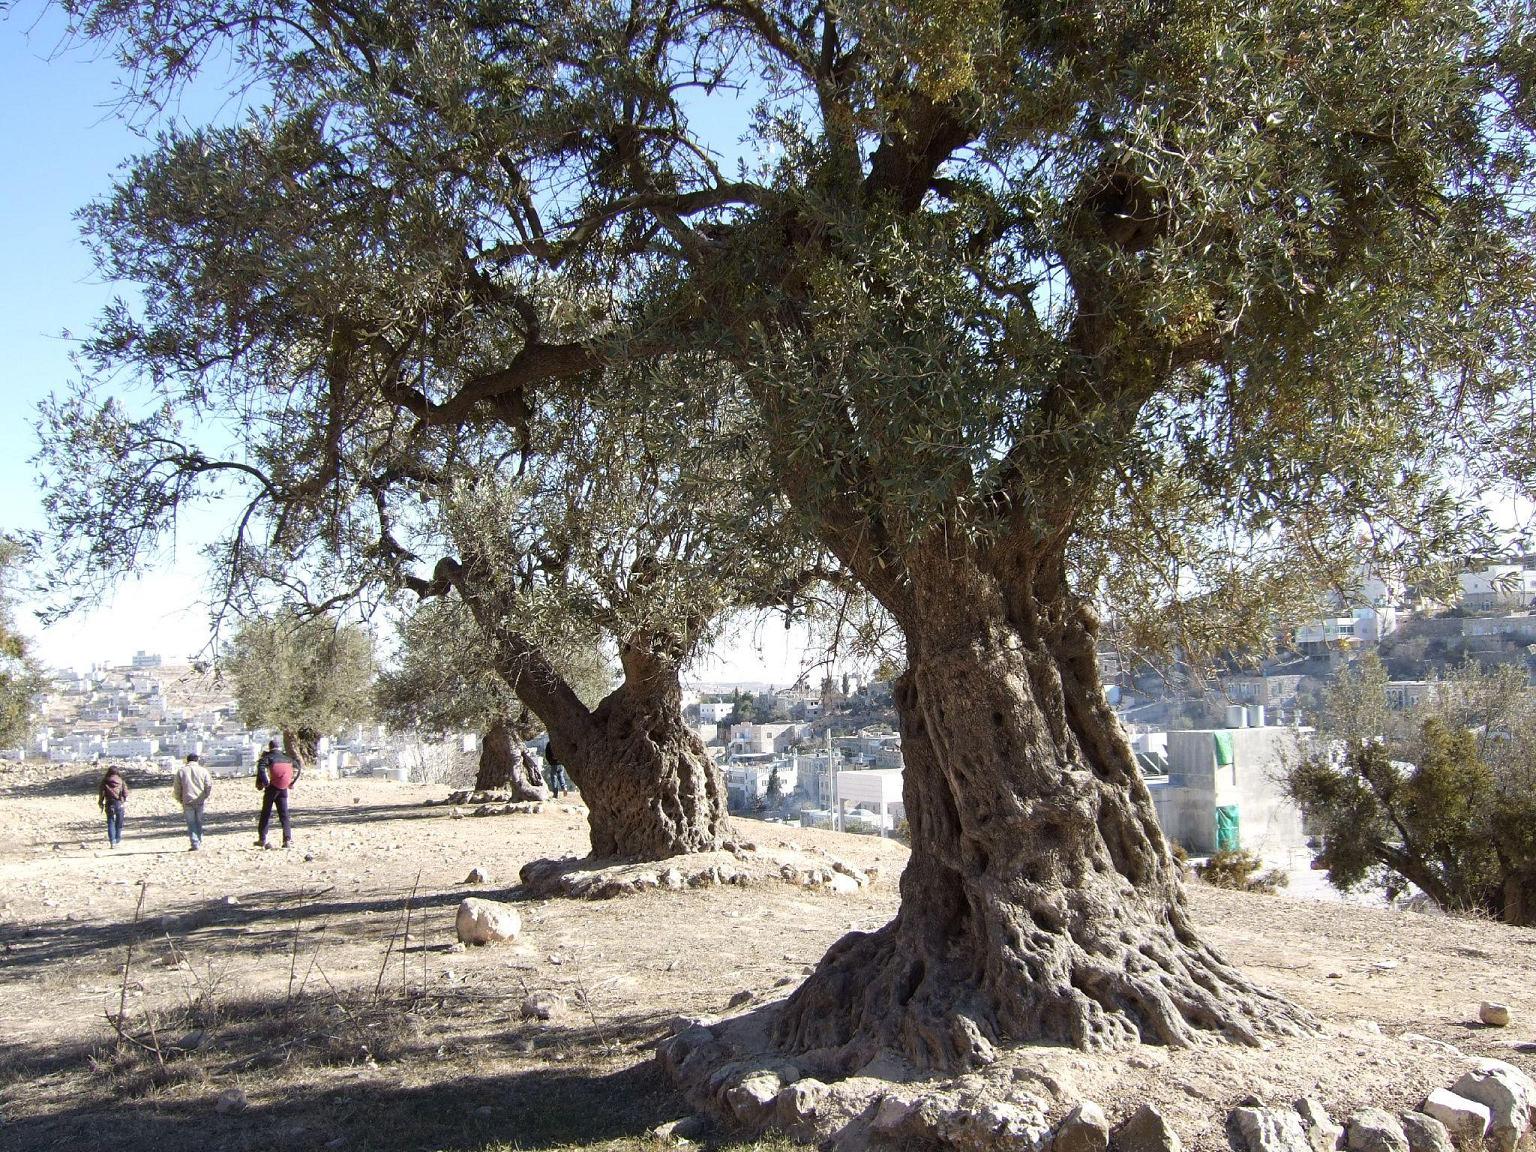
(505, 764)
(1040, 901)
(651, 789)
(650, 786)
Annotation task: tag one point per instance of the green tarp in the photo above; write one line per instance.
(1227, 838)
(1223, 741)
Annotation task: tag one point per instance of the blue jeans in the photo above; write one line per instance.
(114, 822)
(194, 815)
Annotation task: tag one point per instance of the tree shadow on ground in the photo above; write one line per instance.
(195, 927)
(311, 1086)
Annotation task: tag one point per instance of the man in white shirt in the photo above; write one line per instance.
(192, 788)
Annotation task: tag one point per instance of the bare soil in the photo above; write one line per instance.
(291, 977)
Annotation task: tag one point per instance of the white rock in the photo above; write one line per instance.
(1493, 1014)
(487, 921)
(1269, 1130)
(891, 1113)
(1466, 1120)
(230, 1100)
(1507, 1093)
(842, 884)
(478, 875)
(1322, 1133)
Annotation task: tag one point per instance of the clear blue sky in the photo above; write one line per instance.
(63, 143)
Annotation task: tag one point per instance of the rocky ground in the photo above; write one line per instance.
(315, 998)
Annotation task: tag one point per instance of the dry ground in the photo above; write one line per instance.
(282, 974)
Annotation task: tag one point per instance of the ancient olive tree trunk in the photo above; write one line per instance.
(1040, 902)
(650, 787)
(505, 765)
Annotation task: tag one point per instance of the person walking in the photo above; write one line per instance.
(112, 798)
(276, 772)
(191, 788)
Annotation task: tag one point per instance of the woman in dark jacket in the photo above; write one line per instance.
(111, 798)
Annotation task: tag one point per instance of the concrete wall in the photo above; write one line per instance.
(1268, 823)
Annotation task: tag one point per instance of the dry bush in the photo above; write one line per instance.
(1241, 871)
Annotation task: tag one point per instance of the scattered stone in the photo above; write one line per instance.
(1085, 1129)
(1323, 1134)
(1466, 1120)
(231, 901)
(485, 1111)
(1335, 976)
(477, 875)
(230, 1100)
(1425, 1133)
(193, 1040)
(841, 884)
(309, 857)
(1375, 1130)
(456, 813)
(543, 1006)
(1507, 1093)
(487, 922)
(742, 997)
(1146, 1130)
(1269, 1130)
(456, 946)
(1493, 1014)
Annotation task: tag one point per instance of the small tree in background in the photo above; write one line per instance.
(21, 678)
(1448, 806)
(305, 676)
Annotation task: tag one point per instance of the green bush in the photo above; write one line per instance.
(1241, 870)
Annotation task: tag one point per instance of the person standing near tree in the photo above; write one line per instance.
(554, 772)
(112, 798)
(192, 787)
(276, 772)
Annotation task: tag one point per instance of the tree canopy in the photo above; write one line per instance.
(1179, 307)
(306, 676)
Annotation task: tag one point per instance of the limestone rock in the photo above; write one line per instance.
(1322, 1133)
(478, 875)
(752, 1100)
(1466, 1120)
(1507, 1093)
(1146, 1130)
(1425, 1133)
(1085, 1129)
(1493, 1014)
(798, 1106)
(230, 1100)
(1269, 1130)
(683, 1131)
(487, 921)
(1375, 1130)
(841, 884)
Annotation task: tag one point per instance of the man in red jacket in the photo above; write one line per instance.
(276, 772)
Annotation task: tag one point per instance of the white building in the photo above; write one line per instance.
(1224, 789)
(1497, 586)
(714, 711)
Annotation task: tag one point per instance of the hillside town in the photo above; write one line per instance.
(1211, 749)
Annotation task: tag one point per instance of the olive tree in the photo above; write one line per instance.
(444, 680)
(305, 676)
(21, 678)
(1030, 305)
(1444, 800)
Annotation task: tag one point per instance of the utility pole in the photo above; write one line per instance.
(837, 802)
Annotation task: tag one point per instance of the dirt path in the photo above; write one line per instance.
(281, 974)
